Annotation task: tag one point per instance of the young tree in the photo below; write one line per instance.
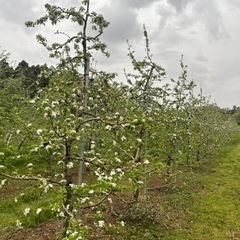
(144, 90)
(76, 50)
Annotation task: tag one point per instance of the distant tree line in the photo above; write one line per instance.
(27, 78)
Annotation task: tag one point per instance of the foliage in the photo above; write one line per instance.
(89, 143)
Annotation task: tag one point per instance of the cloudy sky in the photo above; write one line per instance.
(206, 32)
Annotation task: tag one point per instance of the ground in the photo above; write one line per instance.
(204, 204)
(44, 231)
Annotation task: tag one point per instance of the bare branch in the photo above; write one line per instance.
(123, 200)
(66, 210)
(99, 202)
(88, 161)
(23, 178)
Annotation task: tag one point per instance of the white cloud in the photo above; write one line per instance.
(179, 5)
(205, 32)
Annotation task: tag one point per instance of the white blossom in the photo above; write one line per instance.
(45, 101)
(118, 159)
(100, 178)
(122, 223)
(139, 140)
(91, 192)
(84, 199)
(3, 182)
(146, 162)
(29, 125)
(125, 125)
(26, 211)
(54, 103)
(39, 131)
(19, 224)
(93, 145)
(48, 147)
(101, 223)
(72, 185)
(123, 138)
(47, 186)
(70, 165)
(73, 131)
(30, 165)
(34, 149)
(108, 127)
(54, 114)
(74, 234)
(18, 131)
(61, 214)
(38, 211)
(46, 115)
(112, 172)
(2, 154)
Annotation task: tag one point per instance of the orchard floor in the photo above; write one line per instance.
(203, 205)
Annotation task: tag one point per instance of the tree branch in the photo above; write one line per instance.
(30, 178)
(99, 202)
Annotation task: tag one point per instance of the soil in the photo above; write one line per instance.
(44, 231)
(49, 230)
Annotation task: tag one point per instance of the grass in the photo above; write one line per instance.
(203, 205)
(212, 209)
(13, 204)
